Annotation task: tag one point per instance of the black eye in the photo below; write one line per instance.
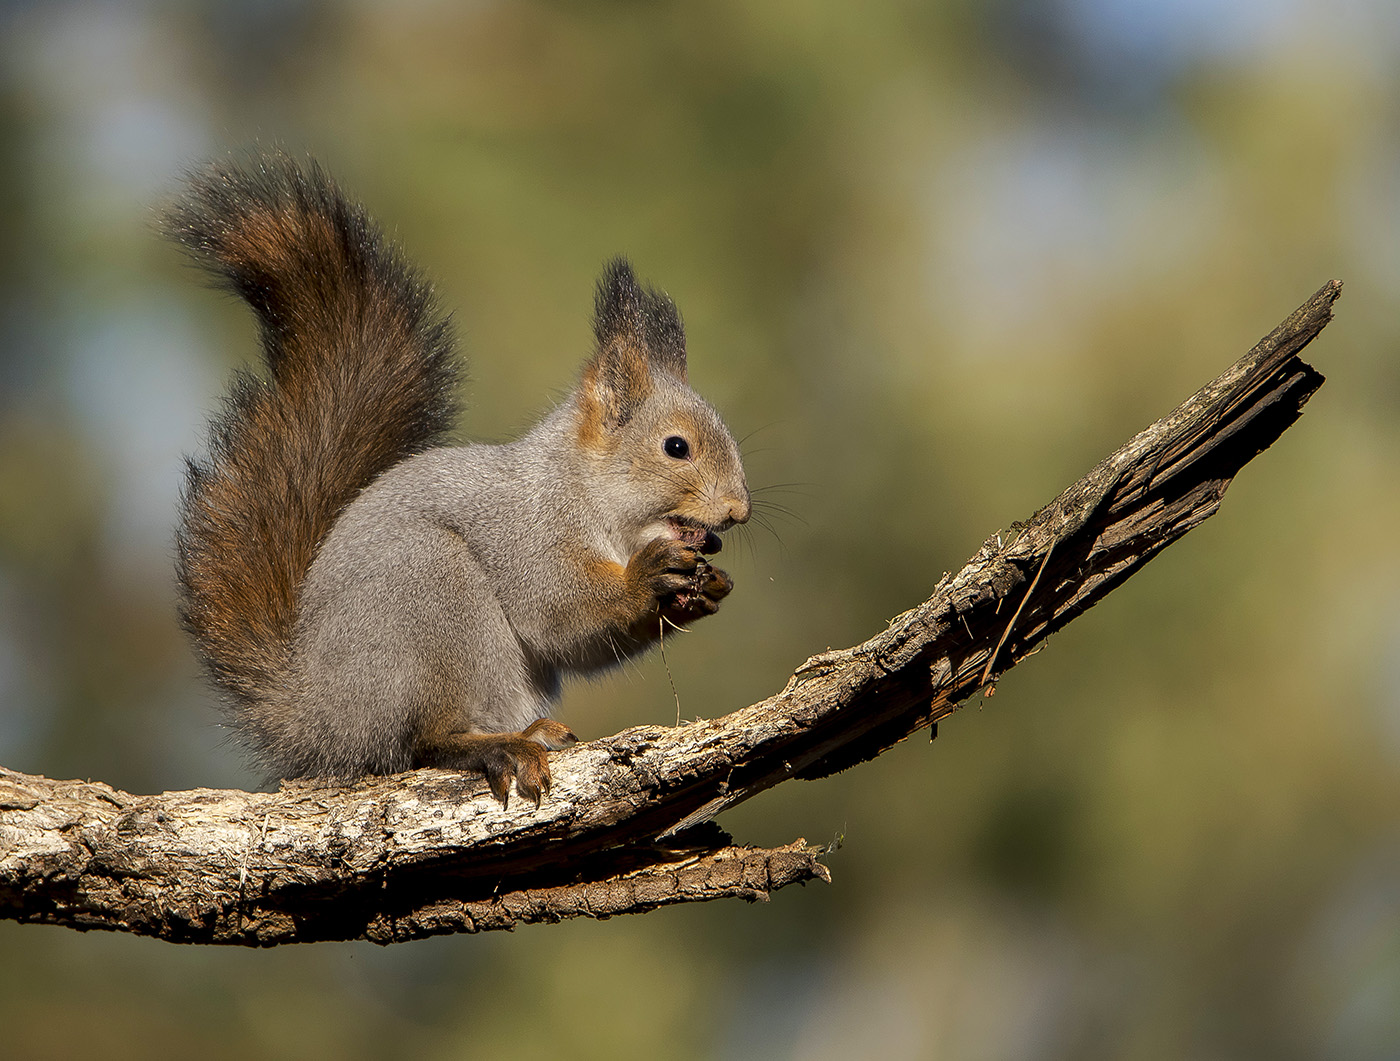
(676, 447)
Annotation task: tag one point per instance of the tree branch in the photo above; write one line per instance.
(627, 826)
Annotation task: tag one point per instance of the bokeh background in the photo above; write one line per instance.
(935, 260)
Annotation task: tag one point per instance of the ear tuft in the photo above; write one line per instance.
(630, 313)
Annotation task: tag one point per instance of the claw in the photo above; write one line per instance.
(529, 791)
(498, 777)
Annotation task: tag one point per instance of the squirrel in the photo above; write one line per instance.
(373, 600)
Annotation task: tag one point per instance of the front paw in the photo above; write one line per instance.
(663, 568)
(701, 596)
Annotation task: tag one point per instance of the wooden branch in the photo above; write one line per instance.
(628, 826)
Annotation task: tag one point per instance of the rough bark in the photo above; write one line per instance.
(627, 827)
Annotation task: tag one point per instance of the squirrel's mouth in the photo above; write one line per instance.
(695, 534)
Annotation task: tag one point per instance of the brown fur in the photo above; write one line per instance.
(360, 376)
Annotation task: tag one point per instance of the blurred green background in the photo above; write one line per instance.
(935, 260)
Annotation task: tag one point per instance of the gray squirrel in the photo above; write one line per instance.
(372, 600)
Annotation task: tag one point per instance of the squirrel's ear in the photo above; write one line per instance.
(627, 311)
(639, 334)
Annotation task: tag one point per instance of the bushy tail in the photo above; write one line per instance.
(360, 374)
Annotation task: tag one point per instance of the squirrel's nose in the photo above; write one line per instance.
(739, 509)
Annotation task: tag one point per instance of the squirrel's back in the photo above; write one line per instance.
(360, 374)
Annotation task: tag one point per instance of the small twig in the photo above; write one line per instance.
(1007, 632)
(661, 642)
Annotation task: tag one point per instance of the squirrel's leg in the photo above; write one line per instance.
(503, 757)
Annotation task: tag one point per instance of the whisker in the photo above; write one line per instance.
(756, 431)
(769, 509)
(765, 526)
